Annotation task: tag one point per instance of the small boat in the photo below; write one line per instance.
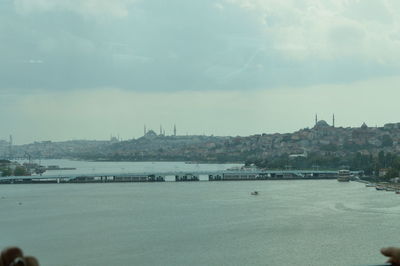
(397, 191)
(379, 188)
(254, 193)
(344, 175)
(369, 185)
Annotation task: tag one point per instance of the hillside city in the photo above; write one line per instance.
(323, 146)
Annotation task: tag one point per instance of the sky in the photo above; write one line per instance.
(88, 69)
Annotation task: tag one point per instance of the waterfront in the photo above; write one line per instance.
(302, 222)
(111, 172)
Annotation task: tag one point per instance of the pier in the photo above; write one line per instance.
(211, 176)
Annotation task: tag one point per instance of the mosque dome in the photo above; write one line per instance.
(321, 123)
(151, 133)
(364, 126)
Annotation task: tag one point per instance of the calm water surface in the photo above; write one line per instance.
(203, 223)
(83, 167)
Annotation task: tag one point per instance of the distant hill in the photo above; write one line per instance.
(322, 141)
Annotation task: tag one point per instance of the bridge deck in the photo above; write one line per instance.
(152, 176)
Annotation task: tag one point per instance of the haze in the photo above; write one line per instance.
(85, 69)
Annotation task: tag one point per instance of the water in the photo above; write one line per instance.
(303, 222)
(83, 167)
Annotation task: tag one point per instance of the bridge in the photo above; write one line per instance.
(177, 176)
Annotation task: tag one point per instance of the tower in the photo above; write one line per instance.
(10, 148)
(160, 130)
(333, 120)
(174, 130)
(316, 119)
(144, 130)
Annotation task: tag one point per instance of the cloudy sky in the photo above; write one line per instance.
(86, 69)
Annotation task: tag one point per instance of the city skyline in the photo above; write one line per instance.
(174, 132)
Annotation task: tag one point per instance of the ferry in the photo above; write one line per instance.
(343, 176)
(57, 167)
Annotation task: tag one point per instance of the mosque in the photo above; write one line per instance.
(152, 133)
(322, 123)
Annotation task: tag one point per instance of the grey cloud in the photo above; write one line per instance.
(90, 8)
(168, 46)
(369, 10)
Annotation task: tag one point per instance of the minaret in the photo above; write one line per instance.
(10, 147)
(333, 120)
(316, 119)
(144, 131)
(174, 130)
(160, 130)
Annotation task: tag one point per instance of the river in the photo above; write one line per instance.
(303, 222)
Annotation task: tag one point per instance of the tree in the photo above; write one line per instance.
(391, 173)
(381, 160)
(20, 171)
(387, 141)
(6, 171)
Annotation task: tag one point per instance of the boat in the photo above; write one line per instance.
(57, 167)
(379, 188)
(344, 175)
(370, 185)
(397, 191)
(254, 193)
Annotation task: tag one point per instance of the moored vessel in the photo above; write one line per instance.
(344, 175)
